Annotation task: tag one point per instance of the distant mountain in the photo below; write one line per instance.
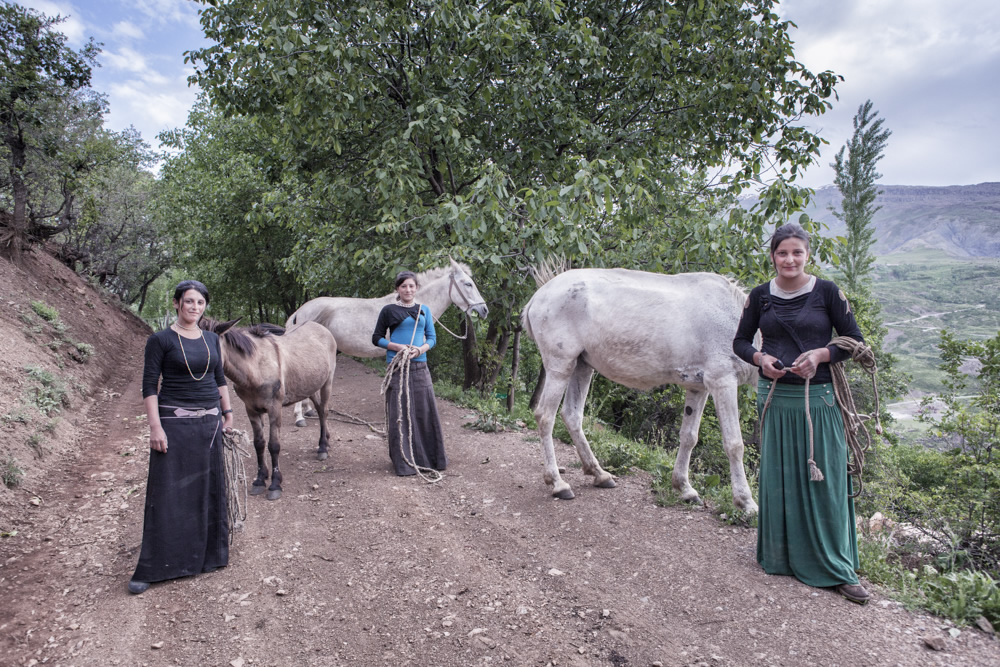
(962, 220)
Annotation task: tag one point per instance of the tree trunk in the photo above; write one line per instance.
(514, 366)
(14, 239)
(470, 356)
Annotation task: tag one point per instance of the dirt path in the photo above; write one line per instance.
(354, 566)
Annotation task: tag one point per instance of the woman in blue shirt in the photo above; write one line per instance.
(407, 328)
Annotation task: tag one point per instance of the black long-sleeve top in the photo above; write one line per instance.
(790, 327)
(164, 357)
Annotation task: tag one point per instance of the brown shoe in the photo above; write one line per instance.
(854, 593)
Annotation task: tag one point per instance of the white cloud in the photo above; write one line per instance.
(127, 30)
(126, 59)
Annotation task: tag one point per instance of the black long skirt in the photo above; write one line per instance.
(186, 525)
(421, 412)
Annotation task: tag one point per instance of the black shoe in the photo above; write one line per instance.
(854, 593)
(136, 587)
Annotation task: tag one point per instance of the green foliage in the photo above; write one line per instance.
(388, 135)
(11, 472)
(45, 311)
(84, 351)
(855, 177)
(34, 442)
(49, 393)
(44, 107)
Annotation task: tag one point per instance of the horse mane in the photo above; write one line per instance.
(243, 340)
(430, 275)
(548, 268)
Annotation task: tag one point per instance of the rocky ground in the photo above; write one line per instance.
(356, 566)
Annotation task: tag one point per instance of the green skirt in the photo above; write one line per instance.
(805, 528)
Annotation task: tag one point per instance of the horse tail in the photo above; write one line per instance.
(525, 322)
(548, 268)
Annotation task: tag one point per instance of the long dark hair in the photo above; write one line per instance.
(184, 285)
(791, 230)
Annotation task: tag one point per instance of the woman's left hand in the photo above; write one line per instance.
(227, 422)
(805, 365)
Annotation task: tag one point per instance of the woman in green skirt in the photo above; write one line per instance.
(806, 522)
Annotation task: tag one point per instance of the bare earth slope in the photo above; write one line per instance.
(354, 566)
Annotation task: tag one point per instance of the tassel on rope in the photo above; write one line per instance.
(815, 474)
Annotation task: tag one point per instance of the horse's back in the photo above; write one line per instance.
(637, 328)
(350, 320)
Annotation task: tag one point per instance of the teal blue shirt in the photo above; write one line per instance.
(396, 324)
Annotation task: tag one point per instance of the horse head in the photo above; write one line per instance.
(463, 291)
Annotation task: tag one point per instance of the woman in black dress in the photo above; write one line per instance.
(805, 527)
(406, 328)
(185, 530)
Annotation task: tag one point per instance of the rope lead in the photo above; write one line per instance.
(853, 422)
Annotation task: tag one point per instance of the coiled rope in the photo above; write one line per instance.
(853, 421)
(401, 364)
(236, 447)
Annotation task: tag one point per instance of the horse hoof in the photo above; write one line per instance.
(695, 500)
(321, 456)
(274, 494)
(609, 483)
(256, 490)
(300, 423)
(565, 494)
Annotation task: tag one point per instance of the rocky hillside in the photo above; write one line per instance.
(962, 220)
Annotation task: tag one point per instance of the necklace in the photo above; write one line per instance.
(178, 323)
(207, 364)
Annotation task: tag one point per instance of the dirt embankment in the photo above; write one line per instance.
(356, 566)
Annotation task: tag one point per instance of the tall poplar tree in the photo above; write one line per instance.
(854, 166)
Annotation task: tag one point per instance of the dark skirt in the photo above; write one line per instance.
(805, 528)
(186, 525)
(420, 412)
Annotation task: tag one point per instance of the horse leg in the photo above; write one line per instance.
(694, 407)
(728, 411)
(258, 444)
(572, 413)
(320, 400)
(300, 417)
(274, 447)
(545, 415)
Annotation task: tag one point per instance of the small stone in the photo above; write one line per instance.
(984, 624)
(281, 591)
(954, 632)
(157, 645)
(934, 643)
(238, 662)
(315, 487)
(555, 573)
(605, 613)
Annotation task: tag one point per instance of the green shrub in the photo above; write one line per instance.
(11, 472)
(84, 351)
(45, 311)
(49, 394)
(35, 443)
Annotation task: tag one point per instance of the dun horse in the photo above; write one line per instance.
(351, 321)
(270, 368)
(641, 330)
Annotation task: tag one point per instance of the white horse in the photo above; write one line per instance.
(352, 320)
(641, 330)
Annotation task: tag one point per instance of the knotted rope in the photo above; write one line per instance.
(236, 447)
(401, 364)
(853, 421)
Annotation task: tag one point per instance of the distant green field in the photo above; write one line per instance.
(923, 292)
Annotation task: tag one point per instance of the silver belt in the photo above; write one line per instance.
(184, 412)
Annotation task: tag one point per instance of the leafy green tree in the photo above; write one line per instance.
(114, 239)
(503, 132)
(39, 76)
(855, 177)
(221, 170)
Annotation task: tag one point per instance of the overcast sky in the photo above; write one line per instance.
(931, 69)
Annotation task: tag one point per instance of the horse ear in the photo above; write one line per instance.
(226, 326)
(454, 264)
